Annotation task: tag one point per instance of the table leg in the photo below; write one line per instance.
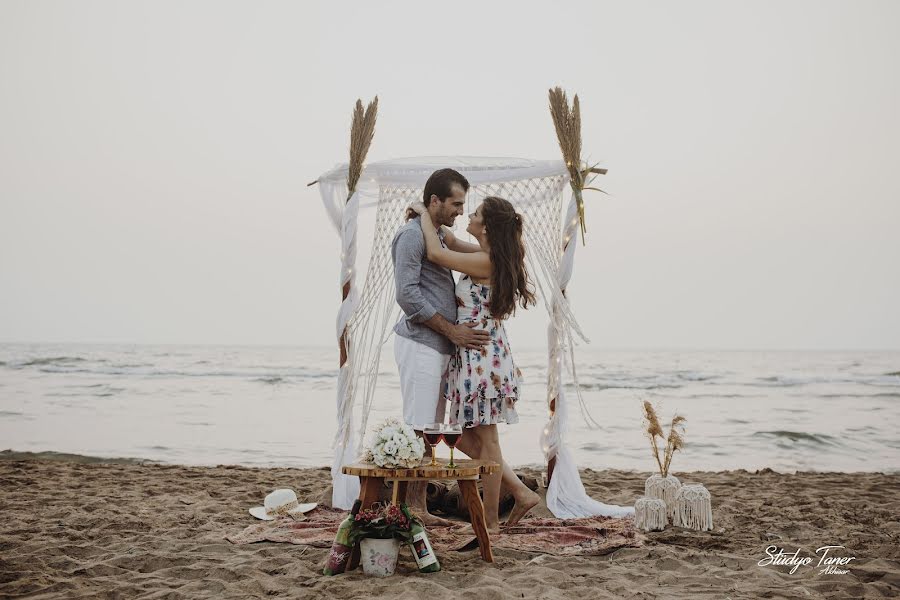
(398, 491)
(369, 489)
(469, 489)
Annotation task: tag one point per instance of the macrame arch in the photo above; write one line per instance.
(367, 316)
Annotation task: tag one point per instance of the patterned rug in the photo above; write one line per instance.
(592, 536)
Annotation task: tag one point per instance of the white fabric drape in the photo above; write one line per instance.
(566, 496)
(344, 217)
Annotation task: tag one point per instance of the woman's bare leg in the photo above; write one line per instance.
(489, 444)
(469, 443)
(525, 499)
(521, 493)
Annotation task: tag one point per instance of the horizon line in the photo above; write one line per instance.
(520, 348)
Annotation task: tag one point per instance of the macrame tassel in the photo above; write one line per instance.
(650, 514)
(693, 508)
(664, 488)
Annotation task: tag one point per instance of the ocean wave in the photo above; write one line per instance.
(97, 390)
(778, 381)
(76, 458)
(594, 447)
(634, 385)
(861, 429)
(875, 395)
(799, 436)
(288, 374)
(600, 380)
(51, 360)
(694, 376)
(785, 381)
(698, 396)
(893, 374)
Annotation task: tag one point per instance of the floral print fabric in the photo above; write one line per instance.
(482, 385)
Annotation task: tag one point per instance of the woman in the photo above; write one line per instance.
(483, 385)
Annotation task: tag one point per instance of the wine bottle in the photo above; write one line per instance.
(420, 545)
(343, 544)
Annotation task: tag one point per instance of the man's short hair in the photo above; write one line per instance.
(440, 184)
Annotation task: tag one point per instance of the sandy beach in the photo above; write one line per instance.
(76, 527)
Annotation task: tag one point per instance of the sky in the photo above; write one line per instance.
(154, 159)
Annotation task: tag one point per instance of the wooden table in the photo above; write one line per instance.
(466, 473)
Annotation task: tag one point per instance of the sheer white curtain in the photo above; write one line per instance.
(566, 496)
(344, 215)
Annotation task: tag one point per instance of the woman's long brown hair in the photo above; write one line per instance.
(510, 283)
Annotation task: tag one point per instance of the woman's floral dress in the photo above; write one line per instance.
(482, 385)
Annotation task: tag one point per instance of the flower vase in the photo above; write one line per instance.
(664, 488)
(379, 557)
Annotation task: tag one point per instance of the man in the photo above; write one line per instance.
(428, 333)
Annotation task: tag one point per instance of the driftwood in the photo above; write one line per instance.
(437, 490)
(446, 497)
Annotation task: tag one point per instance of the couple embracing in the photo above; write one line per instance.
(451, 347)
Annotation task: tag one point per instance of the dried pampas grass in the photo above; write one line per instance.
(654, 430)
(567, 122)
(674, 441)
(568, 131)
(362, 131)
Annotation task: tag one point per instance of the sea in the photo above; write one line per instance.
(275, 406)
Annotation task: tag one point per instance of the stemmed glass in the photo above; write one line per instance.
(432, 434)
(451, 435)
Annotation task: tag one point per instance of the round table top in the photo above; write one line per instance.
(465, 469)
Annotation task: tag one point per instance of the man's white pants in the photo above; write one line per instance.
(423, 371)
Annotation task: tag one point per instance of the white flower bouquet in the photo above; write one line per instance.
(394, 444)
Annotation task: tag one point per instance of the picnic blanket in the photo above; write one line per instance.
(591, 536)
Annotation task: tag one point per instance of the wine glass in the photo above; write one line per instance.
(432, 435)
(451, 435)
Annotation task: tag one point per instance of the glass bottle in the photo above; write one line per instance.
(344, 541)
(420, 545)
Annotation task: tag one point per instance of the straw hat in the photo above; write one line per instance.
(281, 503)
